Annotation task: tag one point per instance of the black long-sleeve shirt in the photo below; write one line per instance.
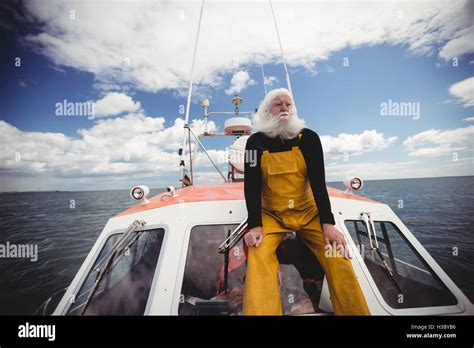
(310, 146)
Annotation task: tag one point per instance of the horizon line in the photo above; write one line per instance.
(160, 188)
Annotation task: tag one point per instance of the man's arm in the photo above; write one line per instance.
(313, 154)
(253, 185)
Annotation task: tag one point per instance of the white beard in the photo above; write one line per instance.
(282, 126)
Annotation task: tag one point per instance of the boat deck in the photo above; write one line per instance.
(216, 192)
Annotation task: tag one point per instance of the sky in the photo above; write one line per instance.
(387, 85)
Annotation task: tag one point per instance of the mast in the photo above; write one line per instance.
(188, 102)
(181, 151)
(263, 79)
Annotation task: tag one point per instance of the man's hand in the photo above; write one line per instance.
(331, 234)
(254, 237)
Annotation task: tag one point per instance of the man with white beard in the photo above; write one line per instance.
(286, 192)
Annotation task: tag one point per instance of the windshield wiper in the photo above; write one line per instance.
(114, 251)
(369, 224)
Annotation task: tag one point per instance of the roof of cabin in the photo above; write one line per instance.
(216, 192)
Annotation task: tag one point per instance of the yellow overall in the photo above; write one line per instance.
(288, 205)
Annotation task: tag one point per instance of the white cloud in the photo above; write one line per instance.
(468, 119)
(208, 177)
(129, 146)
(148, 45)
(139, 149)
(132, 145)
(114, 104)
(240, 81)
(435, 142)
(399, 170)
(270, 80)
(464, 91)
(355, 144)
(462, 44)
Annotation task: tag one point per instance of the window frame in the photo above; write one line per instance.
(183, 259)
(100, 246)
(182, 265)
(424, 257)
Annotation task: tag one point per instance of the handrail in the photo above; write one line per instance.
(369, 224)
(205, 151)
(234, 237)
(366, 221)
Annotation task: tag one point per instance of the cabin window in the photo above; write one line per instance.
(125, 287)
(405, 280)
(203, 292)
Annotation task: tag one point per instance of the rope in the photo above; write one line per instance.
(282, 55)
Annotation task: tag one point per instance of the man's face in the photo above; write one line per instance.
(281, 106)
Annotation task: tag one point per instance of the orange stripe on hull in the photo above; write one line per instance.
(215, 192)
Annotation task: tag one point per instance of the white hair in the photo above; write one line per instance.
(284, 128)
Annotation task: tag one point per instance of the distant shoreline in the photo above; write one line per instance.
(163, 188)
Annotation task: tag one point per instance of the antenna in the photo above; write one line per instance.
(188, 102)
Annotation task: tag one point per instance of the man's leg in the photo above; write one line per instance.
(261, 291)
(346, 296)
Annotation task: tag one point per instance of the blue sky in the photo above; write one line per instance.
(341, 103)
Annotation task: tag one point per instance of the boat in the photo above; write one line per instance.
(181, 252)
